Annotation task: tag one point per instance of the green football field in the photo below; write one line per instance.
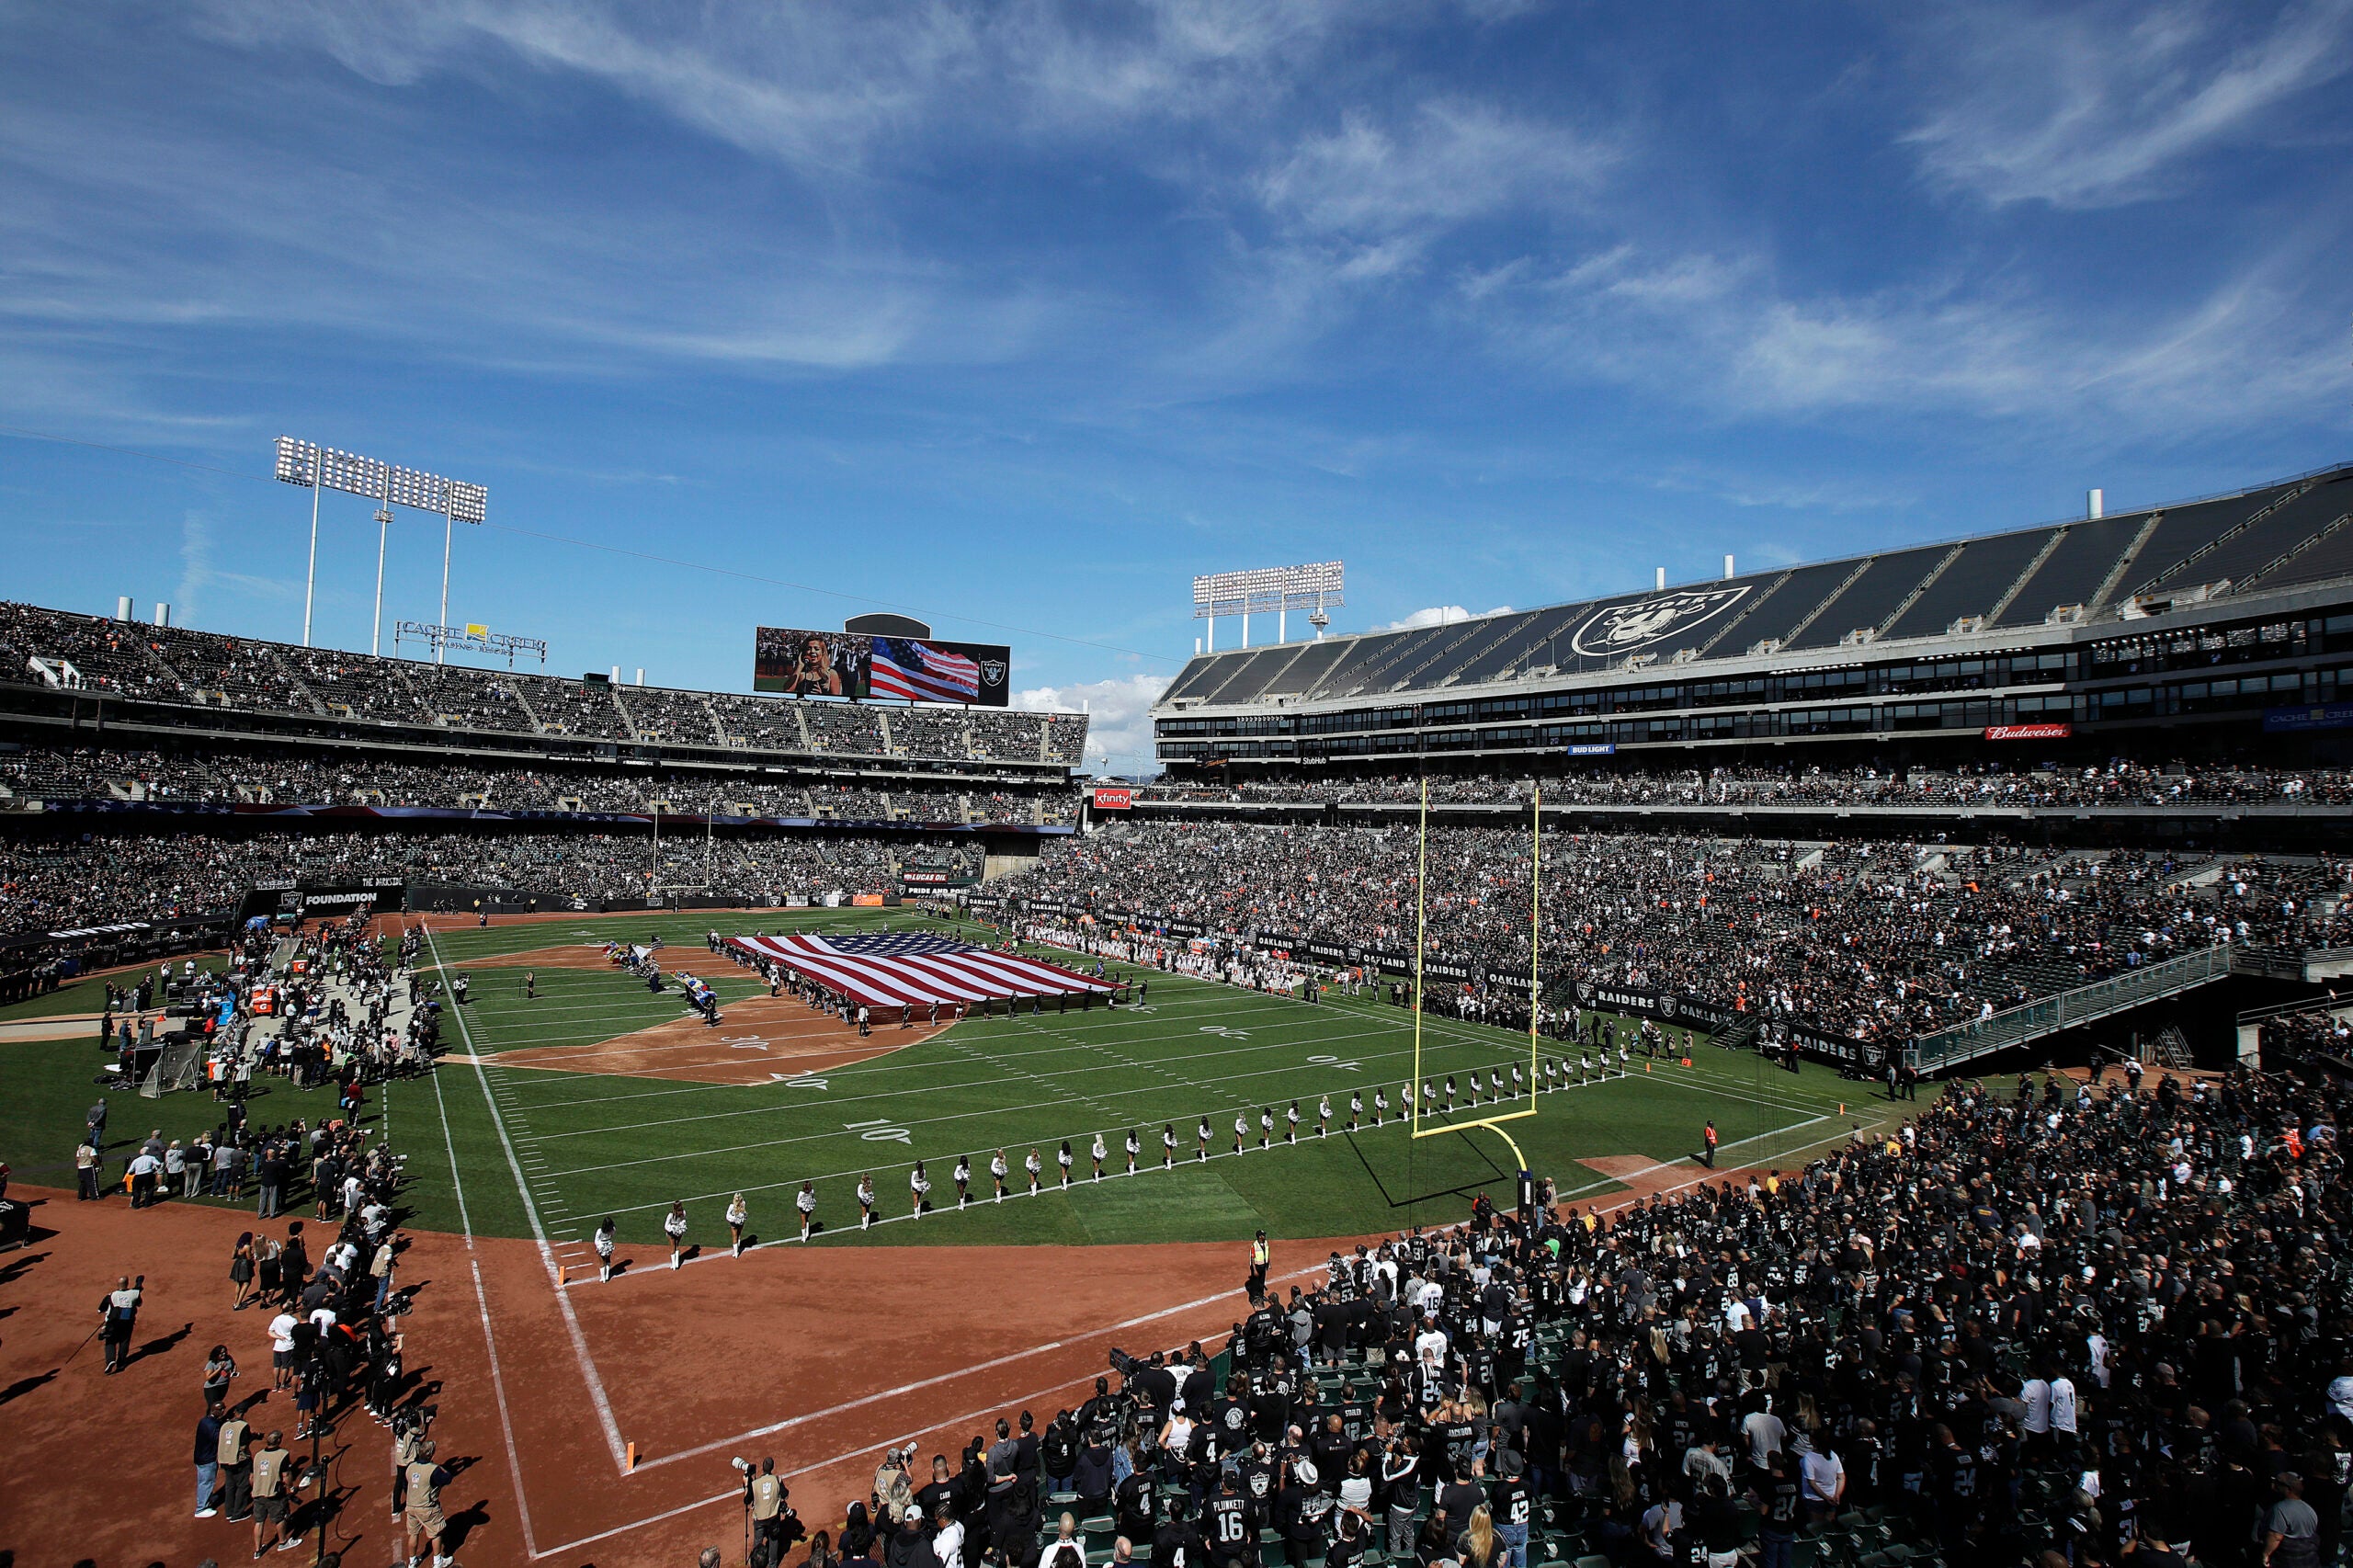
(521, 1151)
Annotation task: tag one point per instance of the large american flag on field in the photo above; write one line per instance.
(922, 672)
(904, 969)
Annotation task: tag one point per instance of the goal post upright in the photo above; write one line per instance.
(1494, 1121)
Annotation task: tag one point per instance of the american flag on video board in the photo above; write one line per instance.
(922, 672)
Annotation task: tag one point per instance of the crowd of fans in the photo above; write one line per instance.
(84, 880)
(327, 1008)
(173, 664)
(287, 776)
(2117, 784)
(2098, 1324)
(1866, 939)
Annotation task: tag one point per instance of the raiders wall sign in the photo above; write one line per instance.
(1626, 629)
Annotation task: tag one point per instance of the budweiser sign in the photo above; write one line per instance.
(2059, 731)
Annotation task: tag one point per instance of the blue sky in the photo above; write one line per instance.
(1024, 313)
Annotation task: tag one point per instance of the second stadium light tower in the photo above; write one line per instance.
(389, 485)
(1278, 589)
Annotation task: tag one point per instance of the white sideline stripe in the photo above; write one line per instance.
(547, 1255)
(481, 1305)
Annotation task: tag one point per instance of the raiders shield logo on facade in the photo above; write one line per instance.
(993, 672)
(1623, 628)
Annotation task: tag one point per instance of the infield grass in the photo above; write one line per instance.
(515, 1151)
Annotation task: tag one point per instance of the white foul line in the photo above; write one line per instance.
(481, 1305)
(547, 1257)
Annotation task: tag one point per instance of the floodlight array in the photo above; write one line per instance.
(311, 465)
(1269, 589)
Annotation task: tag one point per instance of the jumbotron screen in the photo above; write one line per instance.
(798, 662)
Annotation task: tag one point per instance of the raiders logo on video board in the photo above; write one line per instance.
(1622, 629)
(993, 672)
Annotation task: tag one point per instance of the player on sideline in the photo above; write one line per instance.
(1135, 1147)
(1035, 1166)
(807, 1203)
(997, 1170)
(674, 1225)
(963, 1179)
(738, 1211)
(603, 1243)
(918, 1188)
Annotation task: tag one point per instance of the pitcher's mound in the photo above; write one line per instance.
(757, 1040)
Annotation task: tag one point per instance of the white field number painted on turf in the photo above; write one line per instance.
(796, 1080)
(1336, 1061)
(1222, 1029)
(879, 1131)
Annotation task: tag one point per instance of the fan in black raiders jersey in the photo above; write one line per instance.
(1227, 1526)
(1176, 1544)
(1229, 1416)
(1276, 1392)
(1259, 1474)
(1138, 1504)
(1102, 1419)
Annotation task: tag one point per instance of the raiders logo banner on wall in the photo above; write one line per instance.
(1629, 627)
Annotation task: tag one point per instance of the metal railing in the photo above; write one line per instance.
(2084, 1004)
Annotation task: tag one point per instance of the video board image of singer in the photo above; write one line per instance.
(797, 662)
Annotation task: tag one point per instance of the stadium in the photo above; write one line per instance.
(1838, 1062)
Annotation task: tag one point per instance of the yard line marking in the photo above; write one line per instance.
(547, 1255)
(1193, 1108)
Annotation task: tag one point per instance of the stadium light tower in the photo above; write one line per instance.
(1278, 589)
(389, 485)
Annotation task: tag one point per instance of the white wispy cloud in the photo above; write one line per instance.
(1120, 721)
(1724, 334)
(1436, 615)
(2103, 105)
